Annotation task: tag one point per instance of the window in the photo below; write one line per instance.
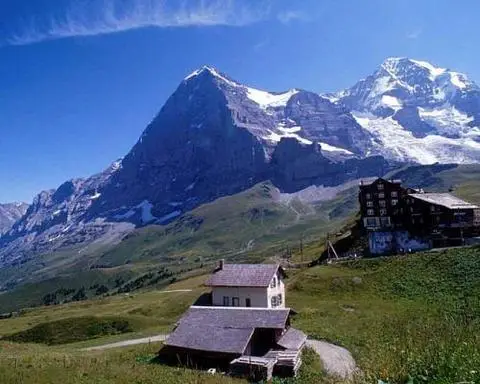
(370, 212)
(385, 221)
(248, 302)
(235, 302)
(368, 196)
(226, 301)
(381, 195)
(383, 212)
(380, 187)
(394, 202)
(274, 282)
(274, 301)
(279, 299)
(432, 208)
(382, 203)
(394, 194)
(369, 203)
(371, 222)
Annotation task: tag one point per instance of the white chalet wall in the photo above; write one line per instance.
(278, 289)
(258, 296)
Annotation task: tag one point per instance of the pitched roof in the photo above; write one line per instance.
(236, 317)
(444, 199)
(223, 329)
(243, 275)
(204, 337)
(292, 339)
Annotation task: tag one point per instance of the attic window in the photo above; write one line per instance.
(274, 282)
(380, 187)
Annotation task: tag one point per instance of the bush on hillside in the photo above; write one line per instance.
(71, 330)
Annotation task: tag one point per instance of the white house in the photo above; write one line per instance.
(248, 285)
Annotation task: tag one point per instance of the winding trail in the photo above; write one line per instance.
(126, 343)
(337, 361)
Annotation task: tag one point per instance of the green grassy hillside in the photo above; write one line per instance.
(409, 319)
(253, 225)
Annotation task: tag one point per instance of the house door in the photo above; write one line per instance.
(248, 302)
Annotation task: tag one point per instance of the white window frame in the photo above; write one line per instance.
(382, 203)
(380, 187)
(370, 204)
(273, 301)
(381, 195)
(383, 212)
(394, 194)
(370, 212)
(394, 202)
(273, 284)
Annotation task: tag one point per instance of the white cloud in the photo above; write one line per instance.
(415, 34)
(110, 16)
(287, 17)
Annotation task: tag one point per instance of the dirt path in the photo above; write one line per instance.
(126, 343)
(336, 360)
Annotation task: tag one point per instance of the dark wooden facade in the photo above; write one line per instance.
(440, 221)
(380, 203)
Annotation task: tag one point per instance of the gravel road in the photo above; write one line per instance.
(337, 361)
(126, 343)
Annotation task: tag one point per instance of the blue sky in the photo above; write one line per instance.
(80, 79)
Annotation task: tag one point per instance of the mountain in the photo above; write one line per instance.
(417, 112)
(9, 214)
(216, 137)
(213, 137)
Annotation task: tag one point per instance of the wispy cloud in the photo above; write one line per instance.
(287, 17)
(90, 18)
(414, 34)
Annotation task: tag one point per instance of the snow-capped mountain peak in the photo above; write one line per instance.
(417, 111)
(206, 69)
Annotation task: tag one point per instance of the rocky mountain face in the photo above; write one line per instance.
(213, 137)
(9, 214)
(216, 137)
(417, 112)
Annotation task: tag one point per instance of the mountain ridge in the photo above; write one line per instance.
(215, 137)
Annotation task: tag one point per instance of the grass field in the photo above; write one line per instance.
(405, 319)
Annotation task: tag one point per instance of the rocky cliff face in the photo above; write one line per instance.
(9, 214)
(213, 137)
(216, 137)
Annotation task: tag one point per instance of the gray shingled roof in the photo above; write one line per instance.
(233, 317)
(444, 199)
(243, 275)
(292, 339)
(205, 337)
(222, 329)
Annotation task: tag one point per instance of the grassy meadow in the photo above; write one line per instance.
(408, 319)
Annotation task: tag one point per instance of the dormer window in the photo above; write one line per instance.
(273, 283)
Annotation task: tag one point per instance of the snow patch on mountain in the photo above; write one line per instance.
(434, 72)
(447, 120)
(330, 148)
(392, 102)
(270, 100)
(391, 140)
(458, 80)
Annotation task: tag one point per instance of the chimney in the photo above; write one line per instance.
(221, 263)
